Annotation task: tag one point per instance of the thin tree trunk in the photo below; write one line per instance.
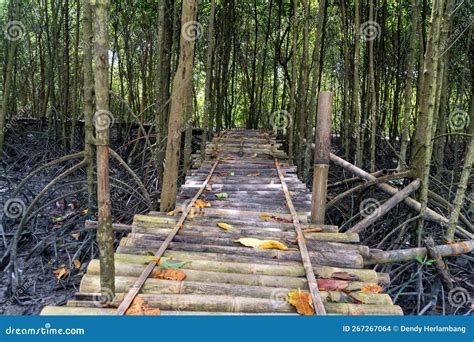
(373, 95)
(359, 134)
(87, 39)
(207, 86)
(8, 77)
(179, 99)
(102, 117)
(466, 172)
(411, 58)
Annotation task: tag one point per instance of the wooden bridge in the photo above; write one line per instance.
(236, 248)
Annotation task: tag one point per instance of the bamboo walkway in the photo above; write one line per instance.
(241, 188)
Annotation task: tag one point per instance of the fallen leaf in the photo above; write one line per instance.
(61, 272)
(264, 217)
(85, 211)
(222, 195)
(301, 300)
(201, 204)
(173, 264)
(263, 244)
(253, 174)
(139, 307)
(76, 236)
(312, 230)
(273, 244)
(169, 274)
(344, 276)
(254, 156)
(371, 288)
(332, 284)
(224, 226)
(171, 213)
(249, 242)
(77, 263)
(209, 187)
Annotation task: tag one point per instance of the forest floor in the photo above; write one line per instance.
(55, 248)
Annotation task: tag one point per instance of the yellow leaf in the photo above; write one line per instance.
(85, 211)
(250, 242)
(201, 204)
(77, 263)
(254, 156)
(272, 244)
(76, 236)
(156, 259)
(224, 226)
(302, 301)
(170, 213)
(61, 272)
(264, 217)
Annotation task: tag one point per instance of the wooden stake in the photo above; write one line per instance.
(321, 157)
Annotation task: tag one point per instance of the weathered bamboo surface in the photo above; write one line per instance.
(219, 275)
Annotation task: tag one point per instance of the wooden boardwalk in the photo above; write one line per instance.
(222, 276)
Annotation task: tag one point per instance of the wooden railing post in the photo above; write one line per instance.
(321, 157)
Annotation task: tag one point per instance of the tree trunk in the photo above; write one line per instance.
(9, 72)
(423, 147)
(359, 134)
(207, 86)
(411, 58)
(466, 172)
(87, 39)
(103, 118)
(179, 99)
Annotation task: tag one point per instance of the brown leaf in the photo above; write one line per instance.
(169, 274)
(139, 307)
(332, 284)
(301, 300)
(253, 174)
(61, 272)
(344, 276)
(371, 288)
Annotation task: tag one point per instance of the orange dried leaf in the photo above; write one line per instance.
(169, 274)
(253, 174)
(302, 301)
(139, 307)
(201, 204)
(371, 288)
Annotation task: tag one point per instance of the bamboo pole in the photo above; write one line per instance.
(386, 207)
(321, 157)
(415, 205)
(399, 255)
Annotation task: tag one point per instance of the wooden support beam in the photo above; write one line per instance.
(321, 157)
